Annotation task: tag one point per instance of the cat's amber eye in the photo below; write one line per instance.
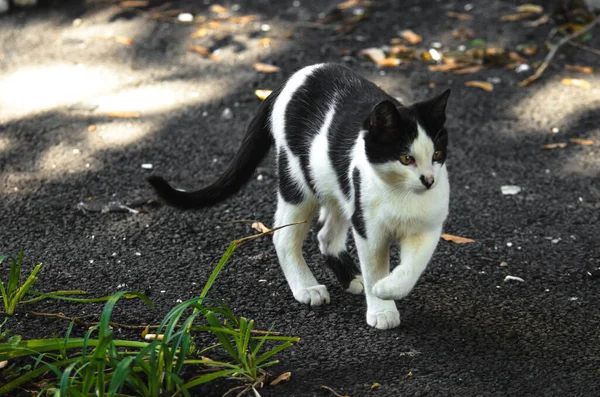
(406, 160)
(437, 155)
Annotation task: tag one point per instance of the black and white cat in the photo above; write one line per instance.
(368, 163)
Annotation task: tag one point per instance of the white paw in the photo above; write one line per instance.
(385, 315)
(314, 296)
(393, 287)
(356, 286)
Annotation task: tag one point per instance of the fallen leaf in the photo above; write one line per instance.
(283, 377)
(260, 227)
(336, 394)
(540, 21)
(123, 40)
(199, 50)
(513, 56)
(92, 128)
(134, 4)
(348, 4)
(3, 364)
(265, 68)
(517, 17)
(584, 142)
(579, 68)
(459, 15)
(457, 240)
(468, 70)
(145, 332)
(375, 386)
(402, 51)
(124, 115)
(201, 32)
(375, 54)
(527, 49)
(484, 85)
(411, 37)
(534, 8)
(389, 62)
(218, 9)
(557, 145)
(463, 33)
(449, 65)
(262, 94)
(265, 42)
(579, 83)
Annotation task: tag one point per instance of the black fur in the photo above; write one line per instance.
(343, 267)
(288, 188)
(254, 148)
(358, 220)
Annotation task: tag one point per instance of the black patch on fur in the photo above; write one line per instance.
(358, 220)
(288, 188)
(254, 147)
(431, 114)
(343, 267)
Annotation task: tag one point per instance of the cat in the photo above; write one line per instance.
(367, 162)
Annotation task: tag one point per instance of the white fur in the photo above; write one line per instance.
(396, 206)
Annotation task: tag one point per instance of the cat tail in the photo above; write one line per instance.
(255, 146)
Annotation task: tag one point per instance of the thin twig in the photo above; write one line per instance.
(333, 391)
(236, 221)
(584, 47)
(255, 236)
(554, 50)
(82, 322)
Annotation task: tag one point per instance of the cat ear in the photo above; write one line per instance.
(383, 121)
(434, 109)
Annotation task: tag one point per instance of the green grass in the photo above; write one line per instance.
(101, 365)
(14, 294)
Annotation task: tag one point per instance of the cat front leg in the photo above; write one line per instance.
(415, 252)
(374, 255)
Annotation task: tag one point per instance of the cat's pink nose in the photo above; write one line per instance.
(427, 181)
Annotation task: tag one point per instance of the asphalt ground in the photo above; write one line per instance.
(464, 332)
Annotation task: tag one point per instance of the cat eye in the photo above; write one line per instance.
(437, 155)
(406, 160)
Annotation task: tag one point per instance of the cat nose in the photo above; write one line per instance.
(427, 181)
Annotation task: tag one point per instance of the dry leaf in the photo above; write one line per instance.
(468, 70)
(579, 83)
(345, 28)
(283, 377)
(558, 145)
(145, 332)
(262, 94)
(375, 385)
(579, 68)
(218, 9)
(533, 8)
(584, 142)
(463, 33)
(92, 128)
(259, 226)
(389, 62)
(265, 42)
(513, 56)
(484, 85)
(336, 394)
(457, 240)
(527, 49)
(123, 40)
(402, 51)
(124, 115)
(516, 17)
(3, 364)
(540, 21)
(201, 32)
(199, 50)
(265, 68)
(134, 4)
(411, 37)
(348, 4)
(459, 15)
(375, 54)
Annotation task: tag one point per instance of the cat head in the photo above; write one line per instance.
(408, 145)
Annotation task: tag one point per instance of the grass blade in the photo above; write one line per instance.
(120, 375)
(208, 377)
(218, 268)
(273, 352)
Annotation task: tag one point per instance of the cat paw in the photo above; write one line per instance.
(392, 287)
(385, 316)
(313, 296)
(356, 286)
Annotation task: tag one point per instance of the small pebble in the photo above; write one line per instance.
(468, 7)
(147, 166)
(510, 190)
(259, 178)
(227, 114)
(138, 254)
(514, 278)
(509, 244)
(265, 27)
(185, 17)
(522, 68)
(494, 80)
(555, 130)
(436, 44)
(462, 48)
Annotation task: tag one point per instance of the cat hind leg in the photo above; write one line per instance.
(332, 243)
(288, 244)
